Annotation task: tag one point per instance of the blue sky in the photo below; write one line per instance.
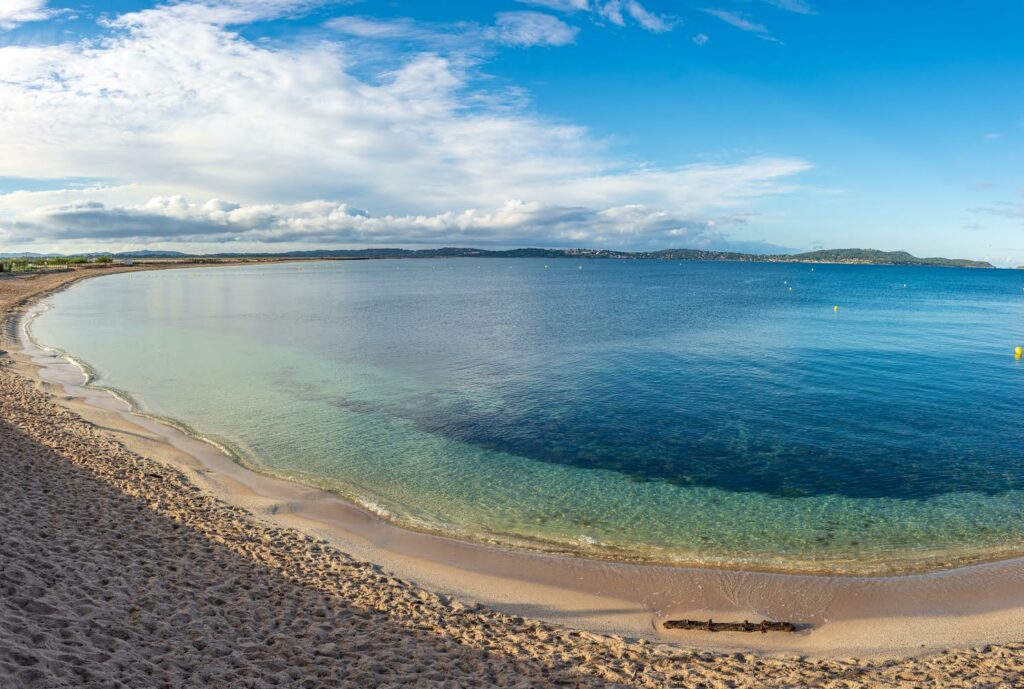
(745, 124)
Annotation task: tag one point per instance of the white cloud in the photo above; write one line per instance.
(702, 196)
(561, 5)
(533, 28)
(797, 6)
(324, 223)
(737, 20)
(220, 12)
(524, 29)
(742, 22)
(367, 27)
(614, 11)
(648, 20)
(701, 39)
(14, 12)
(171, 104)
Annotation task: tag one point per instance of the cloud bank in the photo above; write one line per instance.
(319, 222)
(173, 109)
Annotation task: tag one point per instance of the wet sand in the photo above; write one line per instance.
(135, 554)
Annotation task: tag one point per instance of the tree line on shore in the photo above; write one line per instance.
(16, 265)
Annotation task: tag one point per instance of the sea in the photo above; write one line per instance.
(846, 419)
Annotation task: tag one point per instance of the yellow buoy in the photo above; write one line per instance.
(1018, 352)
(836, 309)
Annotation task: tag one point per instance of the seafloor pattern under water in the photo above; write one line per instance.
(720, 413)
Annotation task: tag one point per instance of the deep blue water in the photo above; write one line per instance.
(713, 412)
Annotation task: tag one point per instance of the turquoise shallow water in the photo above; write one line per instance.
(713, 413)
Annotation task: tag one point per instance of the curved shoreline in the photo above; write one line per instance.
(862, 615)
(601, 553)
(908, 561)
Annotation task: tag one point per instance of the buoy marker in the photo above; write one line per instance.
(1018, 352)
(835, 309)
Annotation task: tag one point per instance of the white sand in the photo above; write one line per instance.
(173, 570)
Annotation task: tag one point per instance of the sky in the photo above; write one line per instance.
(750, 125)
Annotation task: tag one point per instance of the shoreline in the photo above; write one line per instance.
(933, 563)
(132, 409)
(869, 617)
(535, 575)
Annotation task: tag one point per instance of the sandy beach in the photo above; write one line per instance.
(126, 561)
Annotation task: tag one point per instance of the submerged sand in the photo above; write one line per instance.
(119, 570)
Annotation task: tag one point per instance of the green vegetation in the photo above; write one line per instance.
(31, 263)
(894, 258)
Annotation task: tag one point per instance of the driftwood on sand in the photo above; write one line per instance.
(764, 626)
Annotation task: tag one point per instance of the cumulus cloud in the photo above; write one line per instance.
(705, 202)
(14, 12)
(697, 194)
(172, 103)
(192, 105)
(319, 223)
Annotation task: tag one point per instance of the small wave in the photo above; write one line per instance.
(373, 507)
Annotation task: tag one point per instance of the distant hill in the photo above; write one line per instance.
(845, 256)
(148, 254)
(876, 257)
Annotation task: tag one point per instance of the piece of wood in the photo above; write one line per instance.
(764, 626)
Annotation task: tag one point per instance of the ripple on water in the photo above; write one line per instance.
(698, 414)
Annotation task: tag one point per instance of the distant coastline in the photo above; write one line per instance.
(834, 256)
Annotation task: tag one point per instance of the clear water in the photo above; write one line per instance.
(715, 413)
